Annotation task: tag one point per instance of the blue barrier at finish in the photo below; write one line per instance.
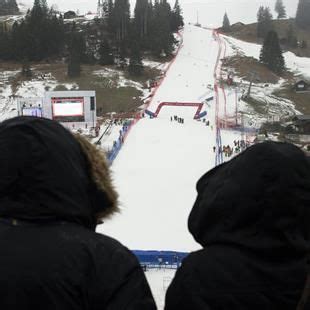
(149, 113)
(160, 258)
(201, 115)
(117, 145)
(149, 259)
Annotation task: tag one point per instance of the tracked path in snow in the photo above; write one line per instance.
(158, 167)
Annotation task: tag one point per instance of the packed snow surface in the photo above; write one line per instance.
(155, 174)
(188, 79)
(160, 280)
(157, 169)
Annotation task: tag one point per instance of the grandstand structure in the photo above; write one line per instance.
(30, 106)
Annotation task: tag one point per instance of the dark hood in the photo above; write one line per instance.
(259, 200)
(44, 173)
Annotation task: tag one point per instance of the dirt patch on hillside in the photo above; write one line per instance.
(116, 91)
(249, 33)
(244, 67)
(301, 100)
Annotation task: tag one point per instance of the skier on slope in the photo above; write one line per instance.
(251, 217)
(54, 190)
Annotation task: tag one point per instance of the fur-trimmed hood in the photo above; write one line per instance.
(46, 173)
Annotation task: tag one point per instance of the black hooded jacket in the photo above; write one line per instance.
(50, 255)
(252, 218)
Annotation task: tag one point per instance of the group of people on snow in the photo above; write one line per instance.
(207, 122)
(175, 118)
(229, 151)
(251, 219)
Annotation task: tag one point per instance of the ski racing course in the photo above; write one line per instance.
(159, 164)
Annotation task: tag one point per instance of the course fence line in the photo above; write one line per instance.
(124, 132)
(154, 92)
(199, 106)
(105, 132)
(218, 155)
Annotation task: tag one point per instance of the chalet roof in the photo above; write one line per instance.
(302, 81)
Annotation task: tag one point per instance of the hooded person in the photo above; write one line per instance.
(54, 189)
(252, 218)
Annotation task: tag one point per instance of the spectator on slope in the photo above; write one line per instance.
(54, 189)
(252, 218)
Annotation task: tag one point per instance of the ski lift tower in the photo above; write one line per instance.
(197, 23)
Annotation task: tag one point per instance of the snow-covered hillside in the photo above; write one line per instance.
(297, 65)
(31, 89)
(211, 12)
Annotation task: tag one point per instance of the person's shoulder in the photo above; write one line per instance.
(197, 259)
(99, 245)
(115, 248)
(206, 267)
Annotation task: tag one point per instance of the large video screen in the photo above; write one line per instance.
(68, 109)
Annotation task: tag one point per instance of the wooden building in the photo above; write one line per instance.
(302, 124)
(302, 86)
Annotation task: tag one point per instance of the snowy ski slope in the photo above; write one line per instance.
(189, 76)
(158, 167)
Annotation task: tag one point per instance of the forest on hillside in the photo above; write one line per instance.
(116, 37)
(8, 7)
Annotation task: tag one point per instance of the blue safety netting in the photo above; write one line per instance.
(117, 145)
(160, 259)
(150, 114)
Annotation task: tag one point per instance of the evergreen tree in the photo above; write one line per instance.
(8, 7)
(13, 7)
(141, 18)
(2, 7)
(76, 49)
(291, 37)
(303, 13)
(121, 16)
(105, 10)
(135, 62)
(271, 53)
(5, 44)
(162, 35)
(264, 22)
(39, 36)
(280, 9)
(260, 21)
(122, 60)
(226, 23)
(176, 17)
(110, 17)
(106, 55)
(26, 69)
(42, 33)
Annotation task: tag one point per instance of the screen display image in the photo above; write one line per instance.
(68, 109)
(32, 111)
